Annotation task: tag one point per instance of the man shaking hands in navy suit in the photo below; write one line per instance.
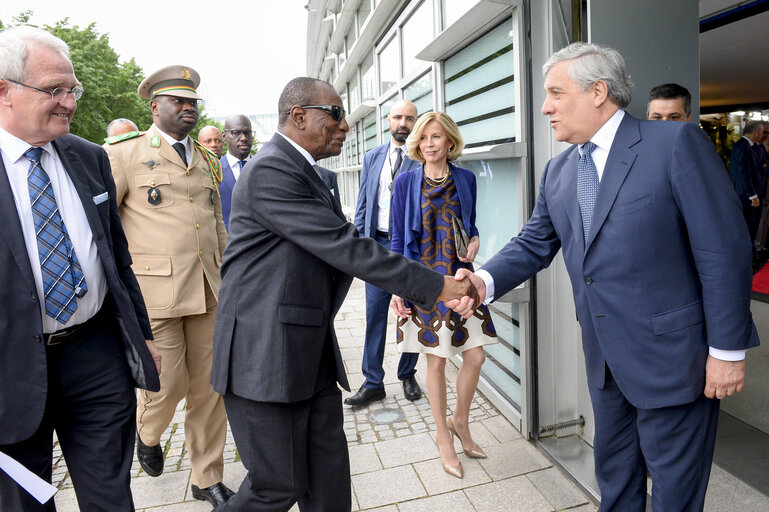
(659, 259)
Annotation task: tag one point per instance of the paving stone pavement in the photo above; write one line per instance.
(394, 467)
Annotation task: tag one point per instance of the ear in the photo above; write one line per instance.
(600, 93)
(296, 116)
(154, 107)
(5, 88)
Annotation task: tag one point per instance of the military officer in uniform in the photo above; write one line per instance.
(167, 191)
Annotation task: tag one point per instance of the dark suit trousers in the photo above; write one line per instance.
(674, 443)
(91, 405)
(377, 307)
(294, 452)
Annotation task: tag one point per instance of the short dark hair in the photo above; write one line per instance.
(751, 127)
(670, 92)
(299, 91)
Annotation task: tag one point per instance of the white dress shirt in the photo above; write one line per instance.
(185, 142)
(234, 165)
(384, 195)
(73, 215)
(603, 140)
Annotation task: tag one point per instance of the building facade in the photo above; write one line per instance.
(480, 61)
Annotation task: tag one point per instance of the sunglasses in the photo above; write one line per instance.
(335, 111)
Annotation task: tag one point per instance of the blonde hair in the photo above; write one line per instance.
(448, 125)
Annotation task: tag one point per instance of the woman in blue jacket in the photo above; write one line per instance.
(424, 202)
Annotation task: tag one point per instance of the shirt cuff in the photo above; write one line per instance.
(754, 196)
(489, 281)
(726, 355)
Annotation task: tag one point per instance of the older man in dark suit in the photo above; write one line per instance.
(748, 178)
(73, 319)
(659, 260)
(287, 268)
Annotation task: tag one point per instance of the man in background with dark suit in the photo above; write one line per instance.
(669, 102)
(659, 261)
(239, 138)
(748, 178)
(75, 332)
(288, 265)
(381, 166)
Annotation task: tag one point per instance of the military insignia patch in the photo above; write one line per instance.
(151, 164)
(155, 141)
(185, 73)
(153, 196)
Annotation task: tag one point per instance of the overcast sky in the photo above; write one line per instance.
(244, 50)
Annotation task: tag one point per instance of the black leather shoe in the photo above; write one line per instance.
(216, 495)
(150, 458)
(365, 396)
(411, 388)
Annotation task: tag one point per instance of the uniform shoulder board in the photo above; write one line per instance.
(213, 163)
(120, 138)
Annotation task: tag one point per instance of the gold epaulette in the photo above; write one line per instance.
(120, 138)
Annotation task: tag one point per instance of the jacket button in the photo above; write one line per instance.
(192, 199)
(187, 173)
(201, 253)
(588, 280)
(197, 226)
(34, 298)
(38, 339)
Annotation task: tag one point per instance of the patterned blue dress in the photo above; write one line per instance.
(441, 331)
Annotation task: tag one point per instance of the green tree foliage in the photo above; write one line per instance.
(110, 85)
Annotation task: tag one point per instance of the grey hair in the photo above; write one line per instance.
(592, 63)
(15, 43)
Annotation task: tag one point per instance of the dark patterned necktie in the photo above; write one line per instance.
(398, 162)
(241, 164)
(587, 186)
(63, 279)
(179, 147)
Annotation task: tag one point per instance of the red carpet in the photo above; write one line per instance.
(761, 280)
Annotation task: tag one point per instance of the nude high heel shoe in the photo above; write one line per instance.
(456, 470)
(475, 452)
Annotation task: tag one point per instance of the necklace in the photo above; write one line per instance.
(437, 181)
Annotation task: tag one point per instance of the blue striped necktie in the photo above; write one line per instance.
(63, 279)
(587, 186)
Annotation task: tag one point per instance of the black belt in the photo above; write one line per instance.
(71, 333)
(382, 234)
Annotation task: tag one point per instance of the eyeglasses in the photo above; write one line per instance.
(335, 111)
(238, 133)
(57, 94)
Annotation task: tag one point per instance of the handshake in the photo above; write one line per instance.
(462, 293)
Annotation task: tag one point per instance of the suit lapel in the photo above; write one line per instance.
(12, 232)
(76, 171)
(620, 160)
(301, 162)
(573, 214)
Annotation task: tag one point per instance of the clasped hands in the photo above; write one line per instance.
(461, 292)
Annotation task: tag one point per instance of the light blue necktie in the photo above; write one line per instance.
(587, 186)
(63, 279)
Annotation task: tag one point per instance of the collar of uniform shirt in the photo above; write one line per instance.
(603, 140)
(299, 148)
(173, 141)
